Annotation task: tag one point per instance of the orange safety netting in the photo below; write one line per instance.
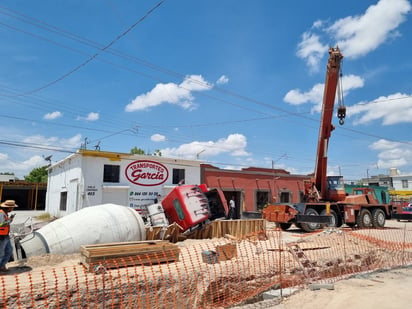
(204, 276)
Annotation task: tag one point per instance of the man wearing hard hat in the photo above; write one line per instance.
(5, 245)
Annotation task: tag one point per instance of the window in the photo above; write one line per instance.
(111, 173)
(178, 209)
(335, 183)
(178, 176)
(285, 197)
(301, 196)
(63, 200)
(383, 197)
(262, 198)
(404, 183)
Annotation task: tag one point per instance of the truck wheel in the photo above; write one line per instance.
(310, 227)
(364, 218)
(284, 226)
(336, 220)
(378, 217)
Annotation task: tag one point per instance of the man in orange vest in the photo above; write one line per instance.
(5, 244)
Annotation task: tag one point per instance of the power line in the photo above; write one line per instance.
(35, 146)
(95, 55)
(248, 99)
(151, 65)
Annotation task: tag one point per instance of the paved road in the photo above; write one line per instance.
(23, 215)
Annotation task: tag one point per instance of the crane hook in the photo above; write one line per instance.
(341, 114)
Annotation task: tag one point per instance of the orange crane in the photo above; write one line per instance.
(325, 201)
(318, 189)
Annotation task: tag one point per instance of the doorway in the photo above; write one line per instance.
(238, 201)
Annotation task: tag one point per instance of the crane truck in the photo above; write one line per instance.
(325, 201)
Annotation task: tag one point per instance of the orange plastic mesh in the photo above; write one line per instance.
(204, 276)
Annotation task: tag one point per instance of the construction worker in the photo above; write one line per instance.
(232, 210)
(5, 244)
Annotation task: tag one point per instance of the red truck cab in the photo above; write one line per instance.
(190, 205)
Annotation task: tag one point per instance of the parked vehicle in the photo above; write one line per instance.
(402, 213)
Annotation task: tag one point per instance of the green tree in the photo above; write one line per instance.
(136, 150)
(157, 152)
(38, 174)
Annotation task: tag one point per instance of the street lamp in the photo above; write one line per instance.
(197, 155)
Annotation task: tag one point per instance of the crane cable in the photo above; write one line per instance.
(341, 105)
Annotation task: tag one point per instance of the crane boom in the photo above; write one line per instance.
(326, 126)
(325, 202)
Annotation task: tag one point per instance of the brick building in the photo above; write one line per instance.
(254, 187)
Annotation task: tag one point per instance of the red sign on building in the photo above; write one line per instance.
(146, 173)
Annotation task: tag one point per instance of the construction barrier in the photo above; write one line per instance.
(212, 273)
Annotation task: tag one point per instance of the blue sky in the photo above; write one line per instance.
(233, 83)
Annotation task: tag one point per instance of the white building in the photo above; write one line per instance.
(91, 177)
(402, 182)
(7, 178)
(402, 186)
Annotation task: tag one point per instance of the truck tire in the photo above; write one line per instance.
(336, 220)
(284, 226)
(310, 227)
(364, 218)
(378, 217)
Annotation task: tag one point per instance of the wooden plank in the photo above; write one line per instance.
(171, 233)
(114, 255)
(214, 229)
(134, 260)
(137, 259)
(122, 248)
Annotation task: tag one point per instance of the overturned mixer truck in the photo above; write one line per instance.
(189, 206)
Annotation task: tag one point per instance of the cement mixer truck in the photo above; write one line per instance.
(189, 206)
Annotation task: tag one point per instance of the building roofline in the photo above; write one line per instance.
(254, 171)
(117, 156)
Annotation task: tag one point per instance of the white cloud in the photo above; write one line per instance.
(158, 138)
(20, 168)
(53, 115)
(54, 142)
(90, 117)
(315, 95)
(171, 93)
(297, 97)
(234, 144)
(312, 50)
(355, 35)
(359, 35)
(222, 80)
(22, 161)
(392, 154)
(317, 24)
(392, 109)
